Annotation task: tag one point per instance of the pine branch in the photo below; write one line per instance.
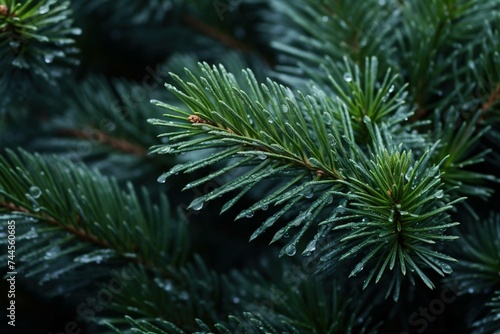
(91, 207)
(79, 233)
(381, 193)
(491, 322)
(313, 31)
(35, 36)
(458, 143)
(478, 252)
(308, 307)
(432, 40)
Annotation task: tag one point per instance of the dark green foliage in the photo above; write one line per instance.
(478, 250)
(491, 322)
(82, 204)
(399, 202)
(36, 38)
(358, 138)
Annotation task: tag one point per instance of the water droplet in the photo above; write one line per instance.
(262, 156)
(284, 107)
(42, 173)
(290, 250)
(270, 120)
(286, 235)
(52, 253)
(76, 31)
(433, 171)
(31, 234)
(265, 207)
(446, 268)
(183, 295)
(162, 178)
(34, 203)
(49, 59)
(439, 194)
(327, 117)
(347, 77)
(35, 192)
(357, 269)
(164, 284)
(15, 44)
(341, 207)
(391, 89)
(249, 214)
(391, 216)
(197, 204)
(311, 247)
(44, 9)
(325, 19)
(236, 300)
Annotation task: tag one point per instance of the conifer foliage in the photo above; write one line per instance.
(251, 166)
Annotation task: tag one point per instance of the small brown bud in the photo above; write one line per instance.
(196, 119)
(320, 173)
(4, 11)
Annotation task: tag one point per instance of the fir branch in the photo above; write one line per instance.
(305, 307)
(478, 251)
(313, 31)
(91, 207)
(79, 233)
(34, 35)
(458, 143)
(275, 133)
(491, 322)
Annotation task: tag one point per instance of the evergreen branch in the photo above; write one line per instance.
(33, 35)
(91, 207)
(336, 30)
(78, 232)
(431, 41)
(392, 199)
(491, 322)
(393, 215)
(252, 323)
(190, 292)
(308, 307)
(478, 252)
(104, 111)
(457, 144)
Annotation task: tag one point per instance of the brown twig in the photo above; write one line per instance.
(494, 96)
(215, 33)
(103, 138)
(80, 233)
